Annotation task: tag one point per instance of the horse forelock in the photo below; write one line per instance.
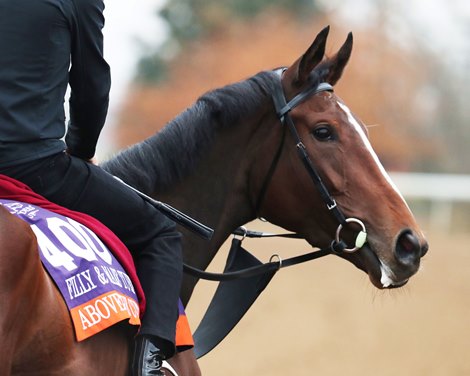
(170, 154)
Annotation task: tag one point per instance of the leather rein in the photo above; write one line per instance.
(283, 108)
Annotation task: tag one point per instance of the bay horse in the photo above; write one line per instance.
(230, 158)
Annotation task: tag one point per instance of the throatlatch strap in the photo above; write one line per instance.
(270, 173)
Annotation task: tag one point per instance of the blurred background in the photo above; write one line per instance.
(408, 79)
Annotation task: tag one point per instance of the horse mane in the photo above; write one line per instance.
(168, 155)
(171, 153)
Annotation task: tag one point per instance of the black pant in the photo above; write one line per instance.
(150, 236)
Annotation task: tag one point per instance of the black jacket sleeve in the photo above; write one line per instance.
(89, 79)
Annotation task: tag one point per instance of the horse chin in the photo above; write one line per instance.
(379, 274)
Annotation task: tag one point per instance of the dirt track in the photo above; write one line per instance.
(325, 318)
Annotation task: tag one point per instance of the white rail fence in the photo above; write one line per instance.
(442, 191)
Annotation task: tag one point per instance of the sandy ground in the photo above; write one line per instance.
(325, 318)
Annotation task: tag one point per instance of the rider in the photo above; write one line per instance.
(46, 45)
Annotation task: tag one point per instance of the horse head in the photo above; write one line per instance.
(357, 187)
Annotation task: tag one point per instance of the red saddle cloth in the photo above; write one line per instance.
(12, 189)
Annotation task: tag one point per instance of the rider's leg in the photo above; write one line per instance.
(150, 236)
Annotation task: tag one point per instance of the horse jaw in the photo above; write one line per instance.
(380, 273)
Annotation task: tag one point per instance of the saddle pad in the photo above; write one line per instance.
(13, 190)
(95, 287)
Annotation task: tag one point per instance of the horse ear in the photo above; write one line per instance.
(312, 57)
(338, 62)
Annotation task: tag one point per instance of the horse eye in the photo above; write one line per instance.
(323, 133)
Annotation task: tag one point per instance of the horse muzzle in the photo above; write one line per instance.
(397, 267)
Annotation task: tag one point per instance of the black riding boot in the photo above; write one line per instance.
(147, 359)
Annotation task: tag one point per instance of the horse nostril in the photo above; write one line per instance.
(409, 242)
(424, 249)
(408, 249)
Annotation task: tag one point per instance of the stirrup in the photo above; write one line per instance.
(167, 367)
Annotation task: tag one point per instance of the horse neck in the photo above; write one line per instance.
(201, 162)
(216, 193)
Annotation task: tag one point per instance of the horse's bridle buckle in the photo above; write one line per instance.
(332, 205)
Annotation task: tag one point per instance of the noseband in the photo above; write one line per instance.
(283, 108)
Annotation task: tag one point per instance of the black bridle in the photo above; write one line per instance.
(283, 108)
(248, 276)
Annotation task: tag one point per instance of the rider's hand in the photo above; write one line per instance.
(93, 161)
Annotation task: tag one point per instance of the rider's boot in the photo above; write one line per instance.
(148, 358)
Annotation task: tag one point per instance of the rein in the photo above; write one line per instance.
(271, 266)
